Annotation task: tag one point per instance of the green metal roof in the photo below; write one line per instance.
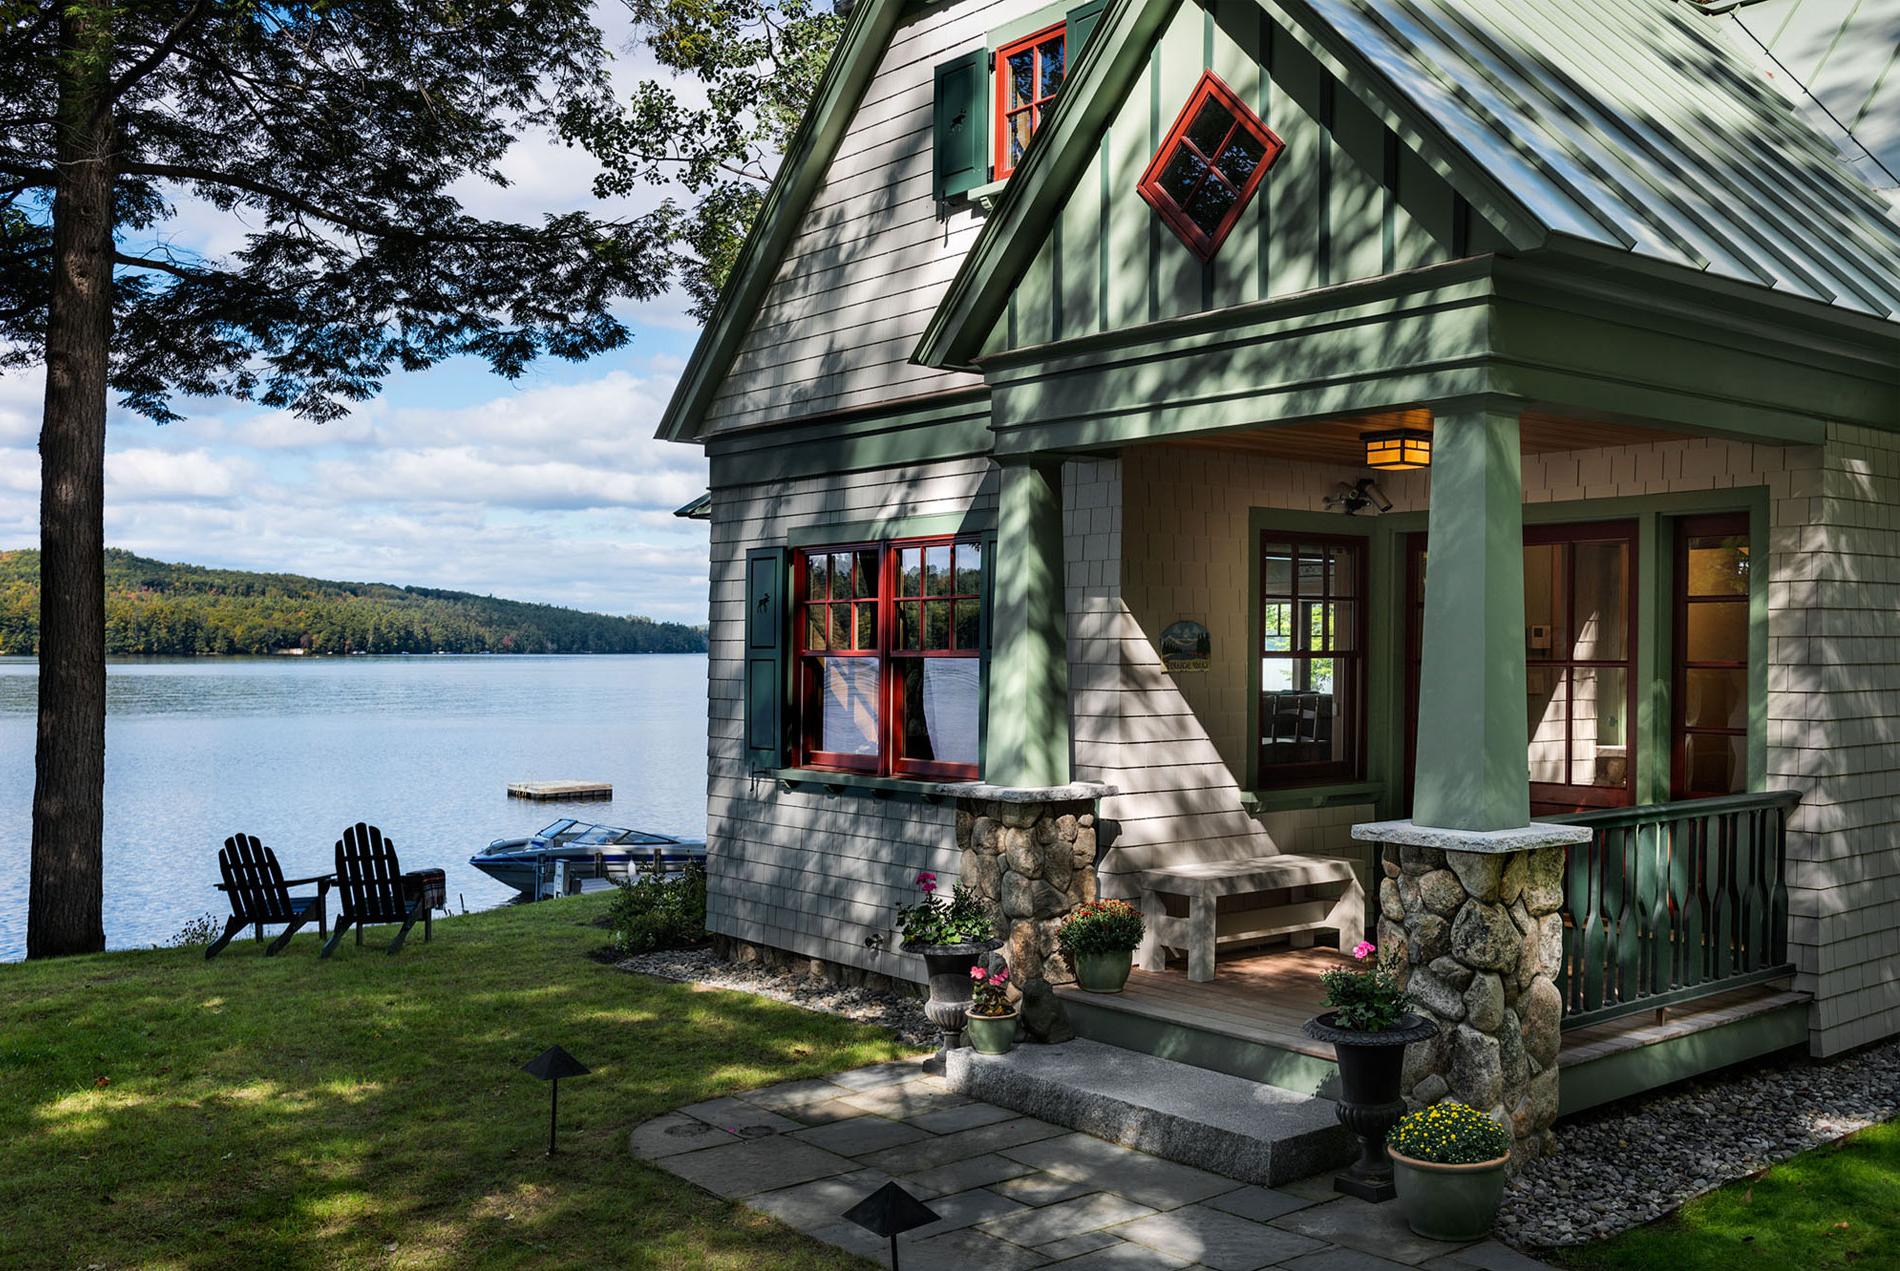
(1846, 56)
(1632, 124)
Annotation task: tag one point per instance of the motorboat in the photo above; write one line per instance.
(568, 854)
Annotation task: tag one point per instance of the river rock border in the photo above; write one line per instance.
(1476, 938)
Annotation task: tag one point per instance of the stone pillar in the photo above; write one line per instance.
(1032, 852)
(1472, 925)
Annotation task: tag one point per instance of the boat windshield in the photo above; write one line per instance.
(558, 828)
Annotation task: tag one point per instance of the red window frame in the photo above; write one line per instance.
(1547, 798)
(886, 648)
(1205, 243)
(1681, 779)
(1039, 101)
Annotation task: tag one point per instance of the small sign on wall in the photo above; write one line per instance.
(1186, 646)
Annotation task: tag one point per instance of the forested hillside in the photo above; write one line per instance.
(154, 607)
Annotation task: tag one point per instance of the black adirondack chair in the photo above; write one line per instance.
(260, 895)
(371, 884)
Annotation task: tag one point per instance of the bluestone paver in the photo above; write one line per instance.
(1338, 1259)
(893, 1073)
(1216, 1239)
(675, 1133)
(967, 1117)
(966, 1209)
(859, 1135)
(1123, 1256)
(1489, 1255)
(740, 1117)
(927, 1153)
(1076, 1246)
(748, 1166)
(913, 1098)
(1261, 1204)
(1149, 1179)
(1358, 1224)
(788, 1095)
(975, 1171)
(821, 1202)
(1067, 1218)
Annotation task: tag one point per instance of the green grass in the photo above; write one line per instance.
(1836, 1206)
(161, 1111)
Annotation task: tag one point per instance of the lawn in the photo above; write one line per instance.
(159, 1110)
(1837, 1206)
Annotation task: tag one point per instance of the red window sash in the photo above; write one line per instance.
(1038, 100)
(1202, 243)
(890, 759)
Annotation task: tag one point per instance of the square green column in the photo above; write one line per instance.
(1473, 745)
(1026, 732)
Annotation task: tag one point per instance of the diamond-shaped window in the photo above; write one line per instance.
(1212, 161)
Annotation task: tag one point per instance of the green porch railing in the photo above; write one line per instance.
(1674, 901)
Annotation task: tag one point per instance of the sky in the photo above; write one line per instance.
(549, 488)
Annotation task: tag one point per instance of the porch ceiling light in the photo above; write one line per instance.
(1398, 450)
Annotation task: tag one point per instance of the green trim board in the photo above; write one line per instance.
(1118, 1023)
(930, 430)
(836, 783)
(1026, 728)
(860, 47)
(886, 528)
(1592, 1083)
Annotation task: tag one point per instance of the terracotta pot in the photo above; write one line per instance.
(991, 1034)
(1103, 972)
(1449, 1202)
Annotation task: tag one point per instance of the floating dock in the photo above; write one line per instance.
(543, 791)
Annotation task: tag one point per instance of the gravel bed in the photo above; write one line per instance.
(901, 1014)
(1635, 1162)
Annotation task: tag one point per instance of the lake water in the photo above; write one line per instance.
(294, 749)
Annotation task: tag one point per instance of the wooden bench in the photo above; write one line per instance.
(1204, 883)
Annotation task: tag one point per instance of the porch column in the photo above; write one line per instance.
(1026, 732)
(1471, 898)
(1473, 745)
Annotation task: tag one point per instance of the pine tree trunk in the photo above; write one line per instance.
(66, 897)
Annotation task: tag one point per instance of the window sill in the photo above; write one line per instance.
(921, 789)
(985, 196)
(1304, 797)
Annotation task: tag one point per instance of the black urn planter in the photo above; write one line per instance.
(1369, 1103)
(951, 991)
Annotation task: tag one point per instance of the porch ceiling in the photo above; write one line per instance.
(1337, 441)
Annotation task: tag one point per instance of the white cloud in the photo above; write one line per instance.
(146, 474)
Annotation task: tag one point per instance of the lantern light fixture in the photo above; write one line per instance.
(1398, 450)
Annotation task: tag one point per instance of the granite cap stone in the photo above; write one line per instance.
(1522, 838)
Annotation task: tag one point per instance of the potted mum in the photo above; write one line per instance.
(950, 935)
(1449, 1162)
(1099, 938)
(1369, 1029)
(991, 1022)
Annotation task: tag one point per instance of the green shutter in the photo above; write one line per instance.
(1081, 24)
(961, 136)
(767, 573)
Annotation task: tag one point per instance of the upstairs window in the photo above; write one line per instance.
(889, 678)
(1029, 75)
(1209, 166)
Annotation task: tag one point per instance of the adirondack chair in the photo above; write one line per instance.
(260, 895)
(370, 881)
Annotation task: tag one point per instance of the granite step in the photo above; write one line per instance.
(1194, 1116)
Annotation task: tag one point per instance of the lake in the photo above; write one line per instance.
(294, 749)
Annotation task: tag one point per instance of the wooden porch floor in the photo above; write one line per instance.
(1264, 996)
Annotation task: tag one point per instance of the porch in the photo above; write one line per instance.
(1674, 963)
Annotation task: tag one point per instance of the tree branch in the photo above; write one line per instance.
(160, 51)
(160, 266)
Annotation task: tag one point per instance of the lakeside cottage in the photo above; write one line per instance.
(1324, 466)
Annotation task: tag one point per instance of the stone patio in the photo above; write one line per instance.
(1014, 1191)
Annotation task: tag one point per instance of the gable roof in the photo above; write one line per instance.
(1630, 125)
(853, 64)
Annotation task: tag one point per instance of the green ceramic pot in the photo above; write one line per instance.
(990, 1034)
(1104, 972)
(1449, 1202)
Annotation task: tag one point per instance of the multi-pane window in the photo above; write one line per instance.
(1711, 639)
(1579, 653)
(1029, 75)
(889, 657)
(1312, 659)
(1209, 166)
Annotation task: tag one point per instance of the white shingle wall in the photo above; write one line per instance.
(807, 871)
(1833, 723)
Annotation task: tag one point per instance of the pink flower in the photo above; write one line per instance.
(1002, 974)
(1364, 949)
(978, 974)
(927, 882)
